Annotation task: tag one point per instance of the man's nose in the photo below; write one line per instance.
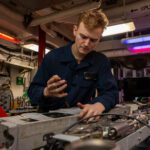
(87, 42)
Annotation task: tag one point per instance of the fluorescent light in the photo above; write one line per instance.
(119, 28)
(144, 50)
(32, 47)
(47, 50)
(140, 49)
(9, 38)
(35, 47)
(136, 40)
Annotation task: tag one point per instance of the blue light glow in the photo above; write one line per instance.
(136, 40)
(141, 47)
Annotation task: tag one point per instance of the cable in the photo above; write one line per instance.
(105, 114)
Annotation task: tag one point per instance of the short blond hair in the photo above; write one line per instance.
(93, 18)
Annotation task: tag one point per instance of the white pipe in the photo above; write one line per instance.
(65, 13)
(17, 54)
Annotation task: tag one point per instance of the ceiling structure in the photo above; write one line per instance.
(22, 18)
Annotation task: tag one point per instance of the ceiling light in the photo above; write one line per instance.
(35, 48)
(9, 38)
(138, 39)
(140, 49)
(139, 44)
(119, 28)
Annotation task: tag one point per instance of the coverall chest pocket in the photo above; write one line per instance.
(85, 80)
(81, 82)
(89, 79)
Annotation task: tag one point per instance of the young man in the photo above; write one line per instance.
(70, 75)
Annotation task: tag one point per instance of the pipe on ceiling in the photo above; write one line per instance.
(127, 11)
(65, 13)
(136, 9)
(10, 13)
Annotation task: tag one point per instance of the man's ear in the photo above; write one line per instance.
(75, 28)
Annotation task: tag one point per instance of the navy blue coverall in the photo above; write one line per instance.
(92, 73)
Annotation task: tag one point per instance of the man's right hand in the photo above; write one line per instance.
(55, 87)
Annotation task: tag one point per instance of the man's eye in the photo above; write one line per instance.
(83, 37)
(93, 40)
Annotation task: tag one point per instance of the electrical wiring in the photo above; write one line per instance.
(106, 114)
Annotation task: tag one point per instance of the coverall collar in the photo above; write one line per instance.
(67, 56)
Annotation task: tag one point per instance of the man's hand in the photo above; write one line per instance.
(89, 110)
(55, 87)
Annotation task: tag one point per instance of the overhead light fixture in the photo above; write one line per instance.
(119, 28)
(139, 39)
(139, 44)
(35, 47)
(9, 38)
(140, 49)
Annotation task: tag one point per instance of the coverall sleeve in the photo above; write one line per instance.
(107, 87)
(39, 82)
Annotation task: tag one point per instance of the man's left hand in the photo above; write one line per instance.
(89, 110)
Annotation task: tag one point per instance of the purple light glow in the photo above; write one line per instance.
(140, 50)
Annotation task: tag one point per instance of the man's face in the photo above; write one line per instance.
(86, 40)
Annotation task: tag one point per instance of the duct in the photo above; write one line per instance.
(112, 48)
(133, 10)
(65, 13)
(118, 53)
(10, 14)
(109, 45)
(19, 64)
(17, 54)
